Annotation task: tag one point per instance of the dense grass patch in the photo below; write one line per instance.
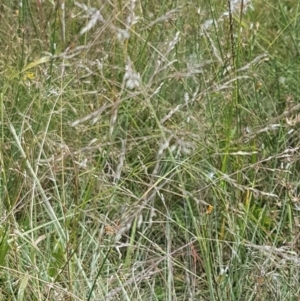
(149, 150)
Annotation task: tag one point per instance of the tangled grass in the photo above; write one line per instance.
(149, 150)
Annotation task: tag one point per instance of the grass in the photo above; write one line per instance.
(149, 150)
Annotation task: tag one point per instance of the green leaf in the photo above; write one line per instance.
(22, 287)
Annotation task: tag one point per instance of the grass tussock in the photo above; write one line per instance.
(149, 150)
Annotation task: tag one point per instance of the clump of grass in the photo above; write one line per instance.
(149, 151)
